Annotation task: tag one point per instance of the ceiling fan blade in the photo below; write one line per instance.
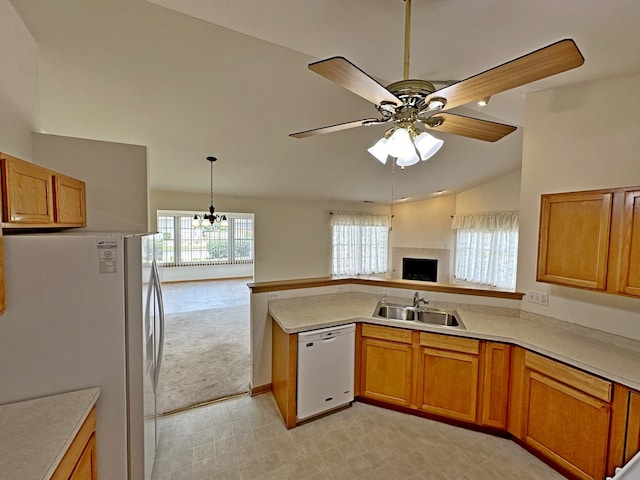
(468, 127)
(341, 71)
(336, 128)
(550, 60)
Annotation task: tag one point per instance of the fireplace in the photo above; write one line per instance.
(423, 269)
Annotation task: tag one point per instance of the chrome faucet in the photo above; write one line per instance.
(417, 300)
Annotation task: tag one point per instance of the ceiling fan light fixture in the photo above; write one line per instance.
(408, 160)
(380, 150)
(427, 145)
(400, 144)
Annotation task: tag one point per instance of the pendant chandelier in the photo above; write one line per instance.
(212, 217)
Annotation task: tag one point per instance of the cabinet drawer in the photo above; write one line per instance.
(386, 333)
(577, 379)
(448, 342)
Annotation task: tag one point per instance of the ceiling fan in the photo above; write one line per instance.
(411, 103)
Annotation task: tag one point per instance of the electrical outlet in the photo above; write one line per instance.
(541, 298)
(273, 296)
(544, 298)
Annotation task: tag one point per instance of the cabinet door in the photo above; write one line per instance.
(386, 365)
(495, 392)
(573, 247)
(630, 259)
(27, 192)
(633, 427)
(86, 466)
(448, 376)
(566, 416)
(69, 200)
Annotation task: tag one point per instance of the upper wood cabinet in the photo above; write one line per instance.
(591, 240)
(69, 201)
(630, 248)
(36, 197)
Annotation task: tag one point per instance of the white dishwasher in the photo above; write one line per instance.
(325, 369)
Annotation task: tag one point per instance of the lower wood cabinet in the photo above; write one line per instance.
(86, 466)
(496, 358)
(581, 423)
(563, 414)
(632, 443)
(448, 376)
(79, 462)
(386, 364)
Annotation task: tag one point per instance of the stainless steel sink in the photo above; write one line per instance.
(438, 317)
(395, 311)
(432, 316)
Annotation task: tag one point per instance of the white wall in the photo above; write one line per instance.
(499, 195)
(19, 112)
(578, 138)
(115, 174)
(423, 224)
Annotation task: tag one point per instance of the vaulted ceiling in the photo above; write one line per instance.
(192, 78)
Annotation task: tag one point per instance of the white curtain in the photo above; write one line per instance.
(487, 248)
(360, 243)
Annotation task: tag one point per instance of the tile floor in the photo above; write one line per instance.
(245, 438)
(206, 294)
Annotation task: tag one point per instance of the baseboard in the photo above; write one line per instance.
(260, 389)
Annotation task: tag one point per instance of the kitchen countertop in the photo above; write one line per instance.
(609, 356)
(35, 434)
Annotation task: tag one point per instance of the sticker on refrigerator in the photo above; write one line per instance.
(107, 257)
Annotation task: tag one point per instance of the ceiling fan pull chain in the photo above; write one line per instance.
(407, 38)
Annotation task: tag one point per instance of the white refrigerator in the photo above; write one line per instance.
(85, 310)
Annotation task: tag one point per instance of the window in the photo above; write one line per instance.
(360, 243)
(487, 248)
(188, 242)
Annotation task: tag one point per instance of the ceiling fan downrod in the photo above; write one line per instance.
(407, 39)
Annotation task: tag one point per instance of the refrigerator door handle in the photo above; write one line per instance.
(158, 292)
(149, 328)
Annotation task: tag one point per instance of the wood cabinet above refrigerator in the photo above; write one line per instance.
(36, 197)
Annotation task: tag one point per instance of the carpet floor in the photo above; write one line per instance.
(206, 357)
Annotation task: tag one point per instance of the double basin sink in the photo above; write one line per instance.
(428, 315)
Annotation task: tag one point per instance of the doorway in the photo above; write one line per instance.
(206, 348)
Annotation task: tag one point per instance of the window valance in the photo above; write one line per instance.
(486, 221)
(360, 219)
